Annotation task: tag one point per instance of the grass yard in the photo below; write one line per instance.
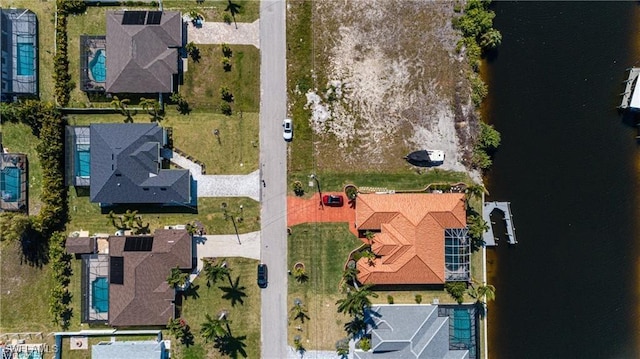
(203, 80)
(87, 216)
(24, 300)
(245, 318)
(92, 22)
(19, 138)
(213, 10)
(300, 80)
(408, 181)
(44, 11)
(323, 248)
(193, 134)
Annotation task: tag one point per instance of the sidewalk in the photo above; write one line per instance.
(221, 33)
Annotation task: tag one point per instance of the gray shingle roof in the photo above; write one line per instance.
(142, 58)
(409, 331)
(125, 166)
(144, 297)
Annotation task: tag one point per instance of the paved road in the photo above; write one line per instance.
(273, 106)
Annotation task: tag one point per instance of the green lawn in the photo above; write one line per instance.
(92, 22)
(87, 216)
(213, 10)
(245, 318)
(300, 80)
(405, 181)
(24, 300)
(193, 134)
(203, 80)
(17, 137)
(323, 248)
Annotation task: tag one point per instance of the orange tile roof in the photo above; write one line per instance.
(411, 237)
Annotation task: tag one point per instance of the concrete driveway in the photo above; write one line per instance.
(226, 245)
(222, 33)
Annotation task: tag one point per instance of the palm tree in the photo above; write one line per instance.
(234, 9)
(212, 329)
(231, 346)
(355, 325)
(298, 311)
(153, 108)
(215, 272)
(129, 218)
(123, 106)
(350, 275)
(300, 273)
(234, 293)
(477, 226)
(475, 191)
(177, 278)
(140, 228)
(486, 291)
(356, 300)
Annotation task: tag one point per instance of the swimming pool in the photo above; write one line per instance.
(10, 184)
(97, 66)
(31, 355)
(26, 58)
(83, 161)
(100, 294)
(461, 326)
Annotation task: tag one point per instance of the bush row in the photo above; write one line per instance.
(61, 76)
(60, 299)
(53, 214)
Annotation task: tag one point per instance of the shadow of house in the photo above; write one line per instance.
(18, 54)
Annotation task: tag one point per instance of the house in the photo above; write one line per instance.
(18, 53)
(127, 286)
(143, 51)
(126, 163)
(143, 349)
(419, 238)
(420, 331)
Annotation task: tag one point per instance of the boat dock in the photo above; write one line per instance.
(629, 96)
(505, 208)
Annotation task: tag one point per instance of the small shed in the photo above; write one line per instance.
(81, 245)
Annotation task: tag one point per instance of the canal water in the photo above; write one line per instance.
(570, 167)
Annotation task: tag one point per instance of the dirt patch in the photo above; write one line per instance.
(390, 78)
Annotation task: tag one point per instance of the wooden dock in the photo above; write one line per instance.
(630, 85)
(505, 208)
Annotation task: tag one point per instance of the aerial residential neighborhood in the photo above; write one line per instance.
(213, 178)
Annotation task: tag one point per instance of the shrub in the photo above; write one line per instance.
(226, 94)
(226, 64)
(390, 299)
(365, 344)
(227, 18)
(226, 51)
(298, 189)
(479, 89)
(418, 298)
(456, 290)
(225, 109)
(71, 6)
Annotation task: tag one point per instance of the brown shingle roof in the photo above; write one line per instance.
(145, 298)
(411, 237)
(142, 58)
(80, 245)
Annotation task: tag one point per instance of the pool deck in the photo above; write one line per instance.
(16, 160)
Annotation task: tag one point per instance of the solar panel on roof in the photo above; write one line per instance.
(134, 17)
(138, 244)
(154, 17)
(116, 270)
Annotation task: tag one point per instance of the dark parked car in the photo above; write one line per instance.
(333, 200)
(262, 275)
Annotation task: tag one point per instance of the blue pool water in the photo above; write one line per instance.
(10, 184)
(83, 163)
(26, 58)
(97, 66)
(461, 326)
(100, 294)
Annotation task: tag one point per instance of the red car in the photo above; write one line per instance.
(333, 200)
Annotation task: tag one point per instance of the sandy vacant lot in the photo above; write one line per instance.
(388, 81)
